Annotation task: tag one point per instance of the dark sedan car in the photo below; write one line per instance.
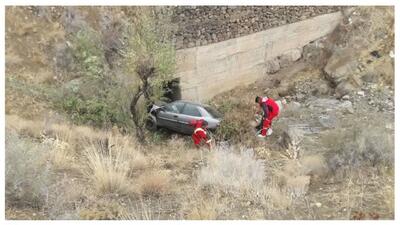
(177, 116)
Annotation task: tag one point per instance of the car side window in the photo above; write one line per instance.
(191, 110)
(179, 106)
(175, 107)
(171, 108)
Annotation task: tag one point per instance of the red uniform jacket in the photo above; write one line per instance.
(271, 110)
(199, 133)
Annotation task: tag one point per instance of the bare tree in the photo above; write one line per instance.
(150, 58)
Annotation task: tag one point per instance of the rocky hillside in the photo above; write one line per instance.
(338, 123)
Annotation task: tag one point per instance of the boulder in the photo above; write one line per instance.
(341, 65)
(272, 66)
(290, 56)
(344, 88)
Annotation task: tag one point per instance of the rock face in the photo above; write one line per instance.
(203, 25)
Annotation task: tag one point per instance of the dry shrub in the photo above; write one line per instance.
(137, 161)
(130, 149)
(66, 194)
(154, 183)
(27, 172)
(61, 154)
(109, 168)
(233, 170)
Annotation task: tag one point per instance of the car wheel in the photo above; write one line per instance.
(151, 124)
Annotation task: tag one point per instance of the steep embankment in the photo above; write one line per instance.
(338, 121)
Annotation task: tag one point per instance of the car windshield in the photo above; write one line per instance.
(214, 113)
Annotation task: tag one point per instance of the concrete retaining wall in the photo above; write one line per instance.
(206, 71)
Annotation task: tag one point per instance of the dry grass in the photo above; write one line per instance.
(62, 155)
(76, 136)
(233, 170)
(109, 169)
(141, 210)
(155, 183)
(204, 210)
(314, 165)
(22, 126)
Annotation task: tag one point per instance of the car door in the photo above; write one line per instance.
(189, 113)
(168, 116)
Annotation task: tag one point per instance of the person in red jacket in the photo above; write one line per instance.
(200, 135)
(270, 109)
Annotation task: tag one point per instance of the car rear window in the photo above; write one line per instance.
(214, 113)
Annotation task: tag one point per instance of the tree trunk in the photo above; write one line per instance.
(135, 117)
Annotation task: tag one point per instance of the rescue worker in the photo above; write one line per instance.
(200, 135)
(270, 108)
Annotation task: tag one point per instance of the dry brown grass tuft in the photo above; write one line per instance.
(204, 210)
(109, 169)
(274, 198)
(61, 155)
(154, 183)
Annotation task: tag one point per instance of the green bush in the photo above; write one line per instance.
(88, 52)
(96, 98)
